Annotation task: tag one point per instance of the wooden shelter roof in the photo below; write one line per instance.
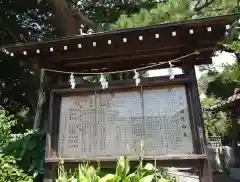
(129, 48)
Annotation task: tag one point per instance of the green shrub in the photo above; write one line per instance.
(26, 148)
(123, 173)
(7, 121)
(9, 172)
(29, 150)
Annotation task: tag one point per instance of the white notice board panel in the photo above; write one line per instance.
(77, 126)
(113, 124)
(168, 129)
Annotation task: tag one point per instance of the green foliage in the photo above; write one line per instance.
(173, 11)
(223, 83)
(123, 173)
(18, 18)
(162, 13)
(232, 43)
(219, 7)
(19, 85)
(234, 46)
(9, 172)
(106, 12)
(220, 83)
(208, 75)
(216, 123)
(7, 121)
(28, 150)
(18, 88)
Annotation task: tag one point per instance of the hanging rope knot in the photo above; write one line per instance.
(72, 81)
(171, 71)
(103, 81)
(136, 77)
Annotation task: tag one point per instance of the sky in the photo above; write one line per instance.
(218, 60)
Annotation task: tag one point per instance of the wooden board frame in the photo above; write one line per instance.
(183, 79)
(134, 53)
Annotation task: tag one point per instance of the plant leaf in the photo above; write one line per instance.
(149, 167)
(163, 180)
(107, 178)
(148, 178)
(123, 167)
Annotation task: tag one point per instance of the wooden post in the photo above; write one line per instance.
(50, 173)
(47, 112)
(205, 172)
(41, 100)
(205, 168)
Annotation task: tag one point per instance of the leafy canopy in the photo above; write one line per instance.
(10, 172)
(174, 10)
(215, 123)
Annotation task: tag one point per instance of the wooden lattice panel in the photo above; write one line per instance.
(113, 124)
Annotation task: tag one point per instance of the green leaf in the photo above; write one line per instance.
(91, 171)
(129, 178)
(107, 178)
(148, 178)
(163, 180)
(149, 166)
(135, 178)
(74, 180)
(123, 167)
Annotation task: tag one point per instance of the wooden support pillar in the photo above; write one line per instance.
(50, 169)
(205, 168)
(205, 172)
(50, 173)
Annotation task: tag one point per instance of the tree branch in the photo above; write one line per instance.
(9, 31)
(66, 18)
(199, 7)
(86, 21)
(64, 21)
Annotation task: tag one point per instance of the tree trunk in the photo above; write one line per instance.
(64, 20)
(68, 20)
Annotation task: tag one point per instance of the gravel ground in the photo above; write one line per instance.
(183, 176)
(223, 178)
(188, 177)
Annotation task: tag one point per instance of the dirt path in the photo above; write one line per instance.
(223, 178)
(188, 177)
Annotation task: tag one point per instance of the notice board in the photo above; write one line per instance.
(114, 123)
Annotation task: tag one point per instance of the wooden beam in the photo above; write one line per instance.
(190, 160)
(138, 56)
(128, 64)
(124, 84)
(132, 43)
(219, 21)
